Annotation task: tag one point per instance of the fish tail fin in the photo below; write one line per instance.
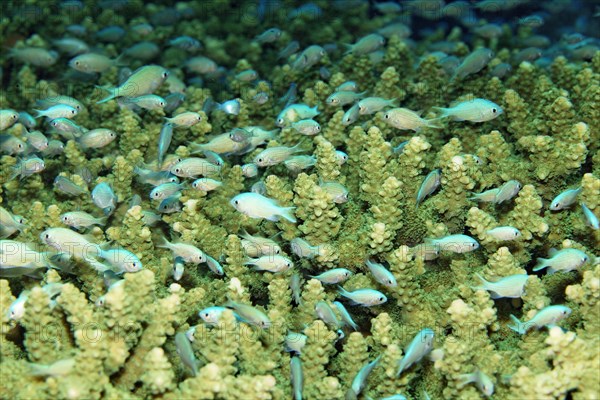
(517, 326)
(483, 283)
(433, 123)
(443, 113)
(288, 213)
(465, 379)
(112, 94)
(541, 264)
(40, 113)
(164, 243)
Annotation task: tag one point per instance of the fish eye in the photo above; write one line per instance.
(318, 128)
(260, 160)
(165, 74)
(494, 110)
(134, 264)
(236, 202)
(386, 116)
(65, 219)
(381, 299)
(46, 236)
(20, 146)
(361, 108)
(177, 170)
(390, 281)
(78, 63)
(277, 251)
(206, 315)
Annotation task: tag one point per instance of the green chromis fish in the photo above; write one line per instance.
(381, 274)
(165, 190)
(549, 316)
(144, 80)
(11, 145)
(271, 263)
(366, 44)
(360, 380)
(104, 197)
(215, 267)
(193, 167)
(307, 127)
(340, 98)
(57, 111)
(363, 297)
(405, 119)
(60, 99)
(429, 185)
(295, 112)
(187, 119)
(473, 63)
(300, 163)
(28, 167)
(336, 191)
(565, 200)
(92, 63)
(481, 380)
(56, 369)
(297, 377)
(303, 249)
(476, 110)
(269, 36)
(67, 241)
(351, 115)
(212, 315)
(370, 105)
(186, 352)
(81, 219)
(296, 287)
(507, 191)
(489, 196)
(419, 347)
(294, 342)
(255, 205)
(454, 243)
(590, 217)
(37, 140)
(256, 246)
(250, 314)
(562, 260)
(333, 276)
(9, 222)
(512, 286)
(346, 317)
(121, 260)
(187, 252)
(8, 118)
(96, 138)
(146, 101)
(327, 315)
(206, 184)
(504, 233)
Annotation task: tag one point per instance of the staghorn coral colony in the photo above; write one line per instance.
(222, 200)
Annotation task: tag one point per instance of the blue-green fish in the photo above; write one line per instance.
(565, 199)
(250, 315)
(66, 186)
(476, 110)
(562, 260)
(454, 243)
(346, 317)
(186, 353)
(360, 380)
(144, 80)
(549, 316)
(297, 377)
(105, 198)
(419, 347)
(327, 315)
(481, 380)
(512, 286)
(590, 217)
(333, 276)
(255, 205)
(363, 297)
(381, 274)
(429, 185)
